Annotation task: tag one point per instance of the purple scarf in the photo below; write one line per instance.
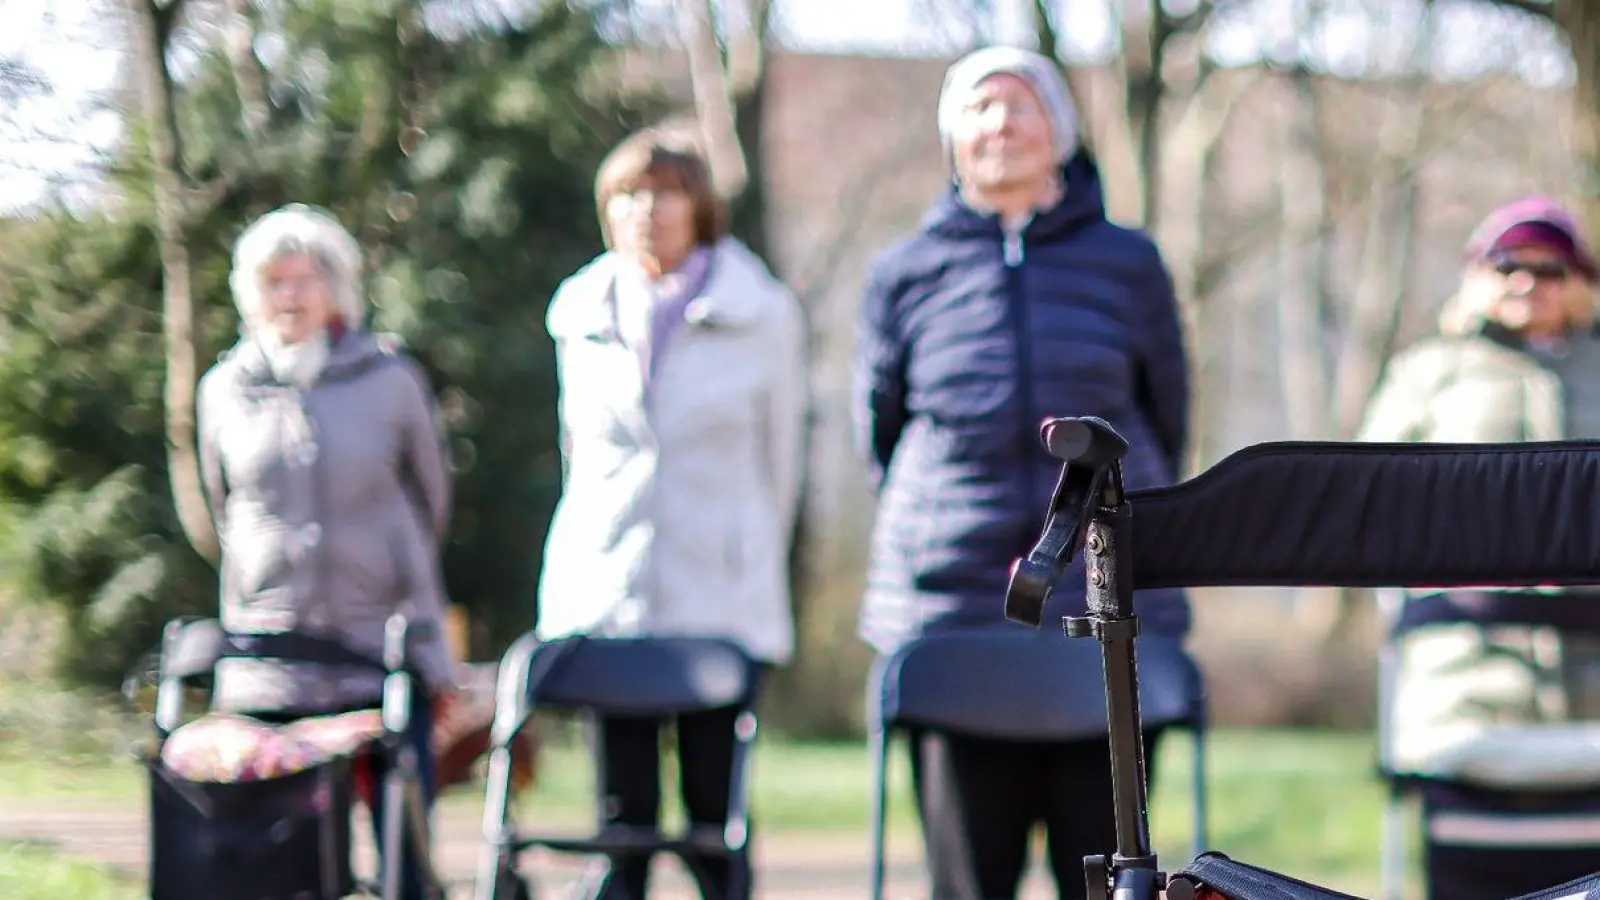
(669, 297)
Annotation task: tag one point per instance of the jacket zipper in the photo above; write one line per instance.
(1012, 246)
(1014, 253)
(318, 479)
(324, 694)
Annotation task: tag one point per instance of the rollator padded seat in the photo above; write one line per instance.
(227, 747)
(661, 678)
(646, 676)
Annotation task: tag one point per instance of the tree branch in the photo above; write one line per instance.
(747, 57)
(249, 78)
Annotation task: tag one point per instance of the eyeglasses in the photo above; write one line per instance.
(1540, 271)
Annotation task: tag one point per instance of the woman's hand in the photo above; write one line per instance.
(1499, 298)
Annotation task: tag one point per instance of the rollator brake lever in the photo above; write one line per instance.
(1091, 450)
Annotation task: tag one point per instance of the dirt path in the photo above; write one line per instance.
(792, 866)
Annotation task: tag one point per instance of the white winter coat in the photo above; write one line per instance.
(679, 499)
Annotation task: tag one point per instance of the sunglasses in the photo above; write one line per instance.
(1540, 271)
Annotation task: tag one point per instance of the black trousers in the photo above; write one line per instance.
(980, 799)
(629, 763)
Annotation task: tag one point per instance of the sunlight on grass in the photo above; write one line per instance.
(54, 780)
(1305, 803)
(28, 873)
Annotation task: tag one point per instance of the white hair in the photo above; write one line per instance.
(1039, 72)
(290, 231)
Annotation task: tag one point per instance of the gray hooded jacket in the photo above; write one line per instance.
(330, 502)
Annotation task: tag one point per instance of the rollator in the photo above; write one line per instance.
(989, 683)
(655, 677)
(1494, 799)
(244, 810)
(1288, 514)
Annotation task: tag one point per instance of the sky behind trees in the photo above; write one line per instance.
(50, 137)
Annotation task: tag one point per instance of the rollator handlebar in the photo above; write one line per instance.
(1092, 451)
(1089, 511)
(1085, 441)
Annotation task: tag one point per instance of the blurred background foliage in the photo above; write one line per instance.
(461, 154)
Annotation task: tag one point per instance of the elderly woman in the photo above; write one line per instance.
(682, 395)
(1516, 359)
(326, 476)
(1014, 300)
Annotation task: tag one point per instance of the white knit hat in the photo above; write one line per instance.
(1038, 71)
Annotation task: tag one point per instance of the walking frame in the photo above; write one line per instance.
(1286, 514)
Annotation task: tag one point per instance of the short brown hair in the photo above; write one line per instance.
(660, 157)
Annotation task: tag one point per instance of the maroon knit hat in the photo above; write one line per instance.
(1535, 220)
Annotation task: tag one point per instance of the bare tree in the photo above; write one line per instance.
(249, 77)
(726, 47)
(713, 98)
(956, 24)
(154, 24)
(1155, 114)
(1332, 349)
(1205, 100)
(1579, 22)
(1373, 322)
(1302, 212)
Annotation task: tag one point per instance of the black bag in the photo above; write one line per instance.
(282, 838)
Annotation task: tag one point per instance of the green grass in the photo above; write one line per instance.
(54, 780)
(29, 873)
(1304, 803)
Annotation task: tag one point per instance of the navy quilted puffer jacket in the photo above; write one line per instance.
(969, 339)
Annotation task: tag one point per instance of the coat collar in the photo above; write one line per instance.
(354, 352)
(1082, 203)
(585, 305)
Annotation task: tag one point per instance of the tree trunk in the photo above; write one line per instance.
(1180, 229)
(747, 72)
(713, 101)
(1580, 19)
(1148, 92)
(1385, 262)
(1044, 28)
(153, 26)
(1300, 188)
(1104, 122)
